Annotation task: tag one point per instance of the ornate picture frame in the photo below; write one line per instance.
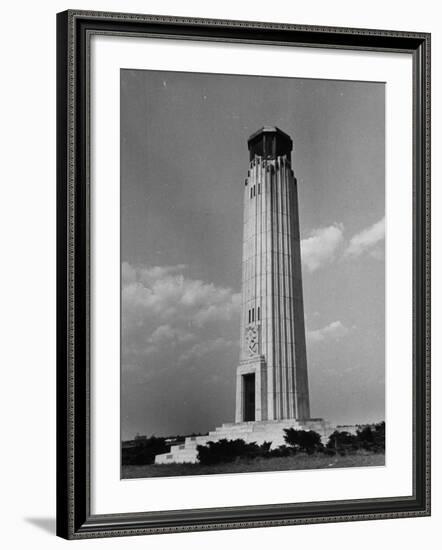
(75, 517)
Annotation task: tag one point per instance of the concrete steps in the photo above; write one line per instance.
(251, 432)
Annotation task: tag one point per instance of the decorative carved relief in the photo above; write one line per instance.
(252, 339)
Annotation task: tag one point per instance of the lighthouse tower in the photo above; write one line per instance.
(272, 381)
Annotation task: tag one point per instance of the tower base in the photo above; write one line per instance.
(250, 432)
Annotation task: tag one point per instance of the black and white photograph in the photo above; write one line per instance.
(252, 273)
(222, 264)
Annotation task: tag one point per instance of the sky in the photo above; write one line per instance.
(184, 159)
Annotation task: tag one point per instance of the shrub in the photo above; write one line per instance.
(372, 438)
(224, 450)
(144, 451)
(343, 442)
(302, 440)
(281, 451)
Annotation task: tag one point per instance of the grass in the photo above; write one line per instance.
(297, 462)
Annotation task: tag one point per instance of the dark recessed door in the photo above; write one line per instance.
(249, 397)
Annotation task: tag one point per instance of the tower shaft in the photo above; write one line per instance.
(272, 381)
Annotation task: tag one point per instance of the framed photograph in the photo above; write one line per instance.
(243, 274)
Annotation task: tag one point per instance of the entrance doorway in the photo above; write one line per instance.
(249, 397)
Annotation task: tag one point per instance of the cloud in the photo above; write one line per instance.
(334, 331)
(167, 294)
(326, 244)
(367, 240)
(166, 336)
(321, 246)
(204, 348)
(165, 312)
(147, 275)
(166, 333)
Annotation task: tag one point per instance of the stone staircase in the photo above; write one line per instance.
(257, 432)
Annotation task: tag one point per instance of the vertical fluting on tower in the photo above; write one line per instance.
(272, 322)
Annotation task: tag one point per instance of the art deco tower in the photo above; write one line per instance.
(272, 382)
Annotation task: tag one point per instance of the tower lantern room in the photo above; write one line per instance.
(270, 143)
